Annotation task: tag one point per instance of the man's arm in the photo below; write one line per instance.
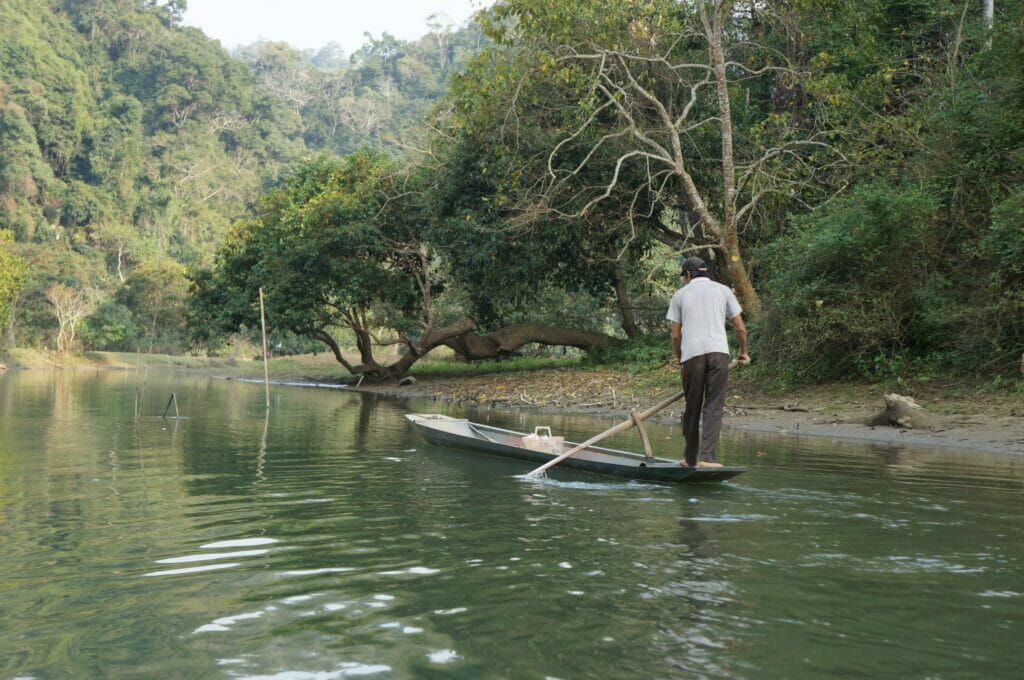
(741, 334)
(677, 336)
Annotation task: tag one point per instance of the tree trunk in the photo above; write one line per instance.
(624, 303)
(462, 338)
(11, 325)
(748, 297)
(729, 235)
(989, 14)
(325, 337)
(511, 338)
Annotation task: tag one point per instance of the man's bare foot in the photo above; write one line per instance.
(682, 461)
(708, 464)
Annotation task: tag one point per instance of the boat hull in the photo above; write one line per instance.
(466, 436)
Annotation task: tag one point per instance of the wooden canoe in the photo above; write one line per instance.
(459, 433)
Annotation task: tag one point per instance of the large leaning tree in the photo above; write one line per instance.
(344, 245)
(670, 111)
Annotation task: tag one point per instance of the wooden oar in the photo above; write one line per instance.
(621, 427)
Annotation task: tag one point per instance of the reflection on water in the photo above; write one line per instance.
(326, 541)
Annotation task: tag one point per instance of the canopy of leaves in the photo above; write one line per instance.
(127, 138)
(920, 264)
(323, 249)
(130, 145)
(13, 272)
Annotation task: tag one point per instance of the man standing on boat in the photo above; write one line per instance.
(698, 312)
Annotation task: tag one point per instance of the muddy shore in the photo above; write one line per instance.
(988, 423)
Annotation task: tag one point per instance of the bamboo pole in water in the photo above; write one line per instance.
(266, 371)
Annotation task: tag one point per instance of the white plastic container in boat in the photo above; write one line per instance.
(542, 440)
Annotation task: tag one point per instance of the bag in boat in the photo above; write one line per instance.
(541, 440)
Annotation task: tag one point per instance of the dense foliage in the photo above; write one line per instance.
(129, 143)
(919, 264)
(853, 169)
(348, 245)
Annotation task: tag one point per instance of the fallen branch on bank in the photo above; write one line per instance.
(792, 409)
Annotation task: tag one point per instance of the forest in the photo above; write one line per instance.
(853, 170)
(129, 143)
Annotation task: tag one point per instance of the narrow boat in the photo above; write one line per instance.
(459, 433)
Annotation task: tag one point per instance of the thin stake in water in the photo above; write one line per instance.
(266, 371)
(172, 400)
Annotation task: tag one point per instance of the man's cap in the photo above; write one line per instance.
(694, 265)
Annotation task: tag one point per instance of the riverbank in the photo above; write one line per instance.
(969, 415)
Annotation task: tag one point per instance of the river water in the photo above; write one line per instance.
(328, 541)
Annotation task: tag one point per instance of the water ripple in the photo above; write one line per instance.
(193, 570)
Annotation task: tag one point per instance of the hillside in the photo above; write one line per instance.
(129, 143)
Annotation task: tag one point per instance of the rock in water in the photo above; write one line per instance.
(903, 412)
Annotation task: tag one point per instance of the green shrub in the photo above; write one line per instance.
(110, 328)
(636, 355)
(857, 284)
(1005, 245)
(1005, 242)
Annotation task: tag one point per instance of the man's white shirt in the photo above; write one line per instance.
(701, 308)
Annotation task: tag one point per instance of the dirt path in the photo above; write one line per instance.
(967, 419)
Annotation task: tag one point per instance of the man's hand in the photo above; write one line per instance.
(744, 358)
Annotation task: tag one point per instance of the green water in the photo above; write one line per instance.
(328, 541)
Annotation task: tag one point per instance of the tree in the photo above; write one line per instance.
(648, 91)
(341, 246)
(155, 292)
(13, 272)
(70, 306)
(506, 271)
(440, 25)
(110, 327)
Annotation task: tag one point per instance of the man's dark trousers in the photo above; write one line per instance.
(704, 380)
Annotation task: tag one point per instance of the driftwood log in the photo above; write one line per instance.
(904, 412)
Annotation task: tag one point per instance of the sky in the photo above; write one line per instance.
(314, 23)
